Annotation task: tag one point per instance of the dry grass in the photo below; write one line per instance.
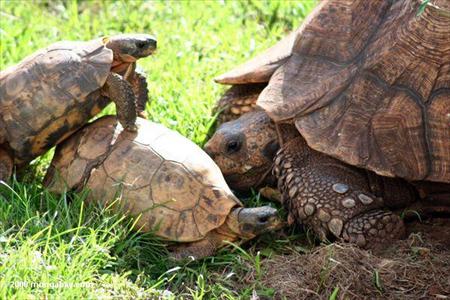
(415, 268)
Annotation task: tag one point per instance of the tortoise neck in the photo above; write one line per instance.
(231, 224)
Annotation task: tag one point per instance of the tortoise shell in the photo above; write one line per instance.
(158, 173)
(369, 84)
(51, 93)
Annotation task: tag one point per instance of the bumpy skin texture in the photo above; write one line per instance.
(336, 199)
(53, 92)
(366, 82)
(236, 101)
(122, 92)
(139, 84)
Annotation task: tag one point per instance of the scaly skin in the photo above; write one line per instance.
(121, 92)
(334, 198)
(236, 101)
(137, 78)
(139, 85)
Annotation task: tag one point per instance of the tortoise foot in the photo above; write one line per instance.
(197, 249)
(372, 229)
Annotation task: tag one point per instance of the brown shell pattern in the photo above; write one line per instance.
(51, 93)
(368, 82)
(158, 173)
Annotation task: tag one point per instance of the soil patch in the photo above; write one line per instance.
(415, 268)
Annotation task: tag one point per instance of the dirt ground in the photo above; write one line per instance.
(417, 267)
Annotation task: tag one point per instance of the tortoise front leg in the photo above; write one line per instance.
(121, 93)
(333, 198)
(138, 80)
(199, 249)
(6, 165)
(270, 193)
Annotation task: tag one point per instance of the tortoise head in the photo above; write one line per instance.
(130, 47)
(244, 149)
(248, 223)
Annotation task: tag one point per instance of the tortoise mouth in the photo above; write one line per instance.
(127, 58)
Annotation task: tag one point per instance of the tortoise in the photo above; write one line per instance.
(358, 108)
(175, 187)
(53, 92)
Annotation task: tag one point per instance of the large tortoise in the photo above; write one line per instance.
(160, 174)
(56, 90)
(359, 101)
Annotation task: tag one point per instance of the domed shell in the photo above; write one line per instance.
(367, 82)
(260, 68)
(179, 190)
(50, 93)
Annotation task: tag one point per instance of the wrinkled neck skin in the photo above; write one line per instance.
(122, 68)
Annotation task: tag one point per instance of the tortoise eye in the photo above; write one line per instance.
(233, 146)
(140, 44)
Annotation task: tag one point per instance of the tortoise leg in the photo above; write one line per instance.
(6, 165)
(139, 84)
(199, 249)
(333, 198)
(121, 92)
(237, 100)
(270, 193)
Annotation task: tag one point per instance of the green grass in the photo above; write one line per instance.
(46, 240)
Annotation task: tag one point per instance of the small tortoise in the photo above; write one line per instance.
(56, 90)
(359, 103)
(160, 174)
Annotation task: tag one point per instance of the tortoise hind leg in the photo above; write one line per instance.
(333, 198)
(6, 165)
(121, 93)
